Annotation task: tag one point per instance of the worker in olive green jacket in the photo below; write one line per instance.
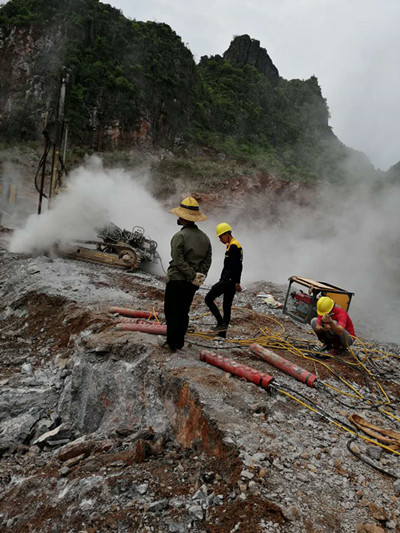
(188, 268)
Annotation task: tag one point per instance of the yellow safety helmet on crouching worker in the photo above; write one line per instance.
(325, 305)
(223, 228)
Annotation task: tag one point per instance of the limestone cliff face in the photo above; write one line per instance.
(136, 84)
(30, 66)
(246, 51)
(130, 81)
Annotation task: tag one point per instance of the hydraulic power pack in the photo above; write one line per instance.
(302, 296)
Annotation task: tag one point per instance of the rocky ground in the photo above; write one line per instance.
(103, 430)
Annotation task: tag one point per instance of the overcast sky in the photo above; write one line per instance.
(352, 46)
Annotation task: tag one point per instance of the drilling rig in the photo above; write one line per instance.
(119, 248)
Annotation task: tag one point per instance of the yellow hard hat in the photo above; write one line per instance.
(325, 305)
(223, 228)
(189, 210)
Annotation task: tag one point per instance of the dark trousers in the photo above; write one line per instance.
(330, 338)
(177, 301)
(228, 289)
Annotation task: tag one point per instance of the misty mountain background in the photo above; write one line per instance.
(140, 78)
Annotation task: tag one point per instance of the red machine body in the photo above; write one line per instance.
(133, 312)
(155, 329)
(303, 297)
(242, 371)
(283, 364)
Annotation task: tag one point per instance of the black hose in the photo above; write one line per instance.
(367, 460)
(40, 165)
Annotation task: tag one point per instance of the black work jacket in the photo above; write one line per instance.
(233, 262)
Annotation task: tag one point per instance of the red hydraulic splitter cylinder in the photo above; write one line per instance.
(155, 329)
(237, 369)
(283, 364)
(133, 312)
(131, 320)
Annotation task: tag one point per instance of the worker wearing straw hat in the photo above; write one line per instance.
(191, 260)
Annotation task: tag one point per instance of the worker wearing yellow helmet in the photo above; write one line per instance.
(191, 260)
(229, 282)
(333, 327)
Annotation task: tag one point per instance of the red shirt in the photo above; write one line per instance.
(342, 319)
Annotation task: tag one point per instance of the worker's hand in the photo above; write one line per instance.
(238, 287)
(327, 319)
(326, 322)
(198, 280)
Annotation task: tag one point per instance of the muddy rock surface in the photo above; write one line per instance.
(103, 430)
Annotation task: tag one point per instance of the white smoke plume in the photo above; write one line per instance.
(347, 237)
(94, 197)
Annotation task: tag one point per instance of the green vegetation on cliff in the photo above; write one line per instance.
(246, 115)
(120, 70)
(140, 78)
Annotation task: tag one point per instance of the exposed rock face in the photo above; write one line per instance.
(246, 51)
(119, 91)
(30, 65)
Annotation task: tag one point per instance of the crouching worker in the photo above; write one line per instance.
(229, 282)
(191, 260)
(333, 327)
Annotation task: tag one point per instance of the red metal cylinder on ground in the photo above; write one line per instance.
(129, 320)
(133, 312)
(242, 371)
(283, 364)
(155, 329)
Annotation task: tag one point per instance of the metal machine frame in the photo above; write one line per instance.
(302, 306)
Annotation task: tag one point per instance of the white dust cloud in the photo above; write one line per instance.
(94, 197)
(348, 237)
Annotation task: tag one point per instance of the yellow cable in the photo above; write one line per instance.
(340, 425)
(274, 340)
(340, 391)
(154, 314)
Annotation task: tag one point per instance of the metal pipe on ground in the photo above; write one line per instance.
(155, 329)
(242, 371)
(129, 320)
(283, 364)
(133, 312)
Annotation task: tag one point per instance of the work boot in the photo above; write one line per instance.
(219, 327)
(319, 355)
(338, 351)
(322, 353)
(162, 342)
(325, 348)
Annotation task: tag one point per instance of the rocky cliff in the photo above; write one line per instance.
(128, 81)
(133, 84)
(246, 51)
(30, 64)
